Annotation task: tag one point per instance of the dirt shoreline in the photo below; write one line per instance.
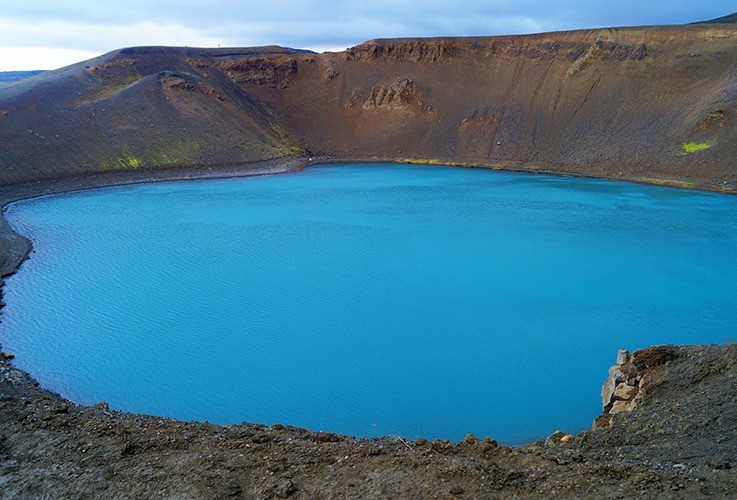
(680, 441)
(14, 248)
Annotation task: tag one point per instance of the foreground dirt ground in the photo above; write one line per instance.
(680, 441)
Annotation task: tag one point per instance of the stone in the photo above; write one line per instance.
(620, 406)
(623, 357)
(617, 374)
(625, 392)
(490, 443)
(7, 355)
(623, 373)
(607, 392)
(284, 488)
(554, 438)
(456, 490)
(566, 439)
(234, 490)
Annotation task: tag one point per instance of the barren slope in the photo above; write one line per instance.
(619, 103)
(608, 102)
(148, 107)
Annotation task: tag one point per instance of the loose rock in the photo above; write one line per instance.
(284, 488)
(554, 438)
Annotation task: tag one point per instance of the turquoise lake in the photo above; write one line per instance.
(371, 299)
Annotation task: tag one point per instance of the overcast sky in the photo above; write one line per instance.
(40, 34)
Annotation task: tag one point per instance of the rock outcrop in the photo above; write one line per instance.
(414, 50)
(629, 380)
(269, 71)
(401, 94)
(619, 390)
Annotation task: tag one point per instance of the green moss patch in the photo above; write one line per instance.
(692, 147)
(130, 162)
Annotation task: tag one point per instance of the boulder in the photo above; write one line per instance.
(625, 392)
(623, 357)
(285, 488)
(607, 392)
(554, 438)
(620, 406)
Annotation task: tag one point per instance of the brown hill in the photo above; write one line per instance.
(146, 107)
(655, 104)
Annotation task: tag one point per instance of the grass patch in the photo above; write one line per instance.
(692, 147)
(131, 162)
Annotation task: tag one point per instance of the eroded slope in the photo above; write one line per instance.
(146, 107)
(655, 104)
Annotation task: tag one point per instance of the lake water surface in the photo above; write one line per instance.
(366, 299)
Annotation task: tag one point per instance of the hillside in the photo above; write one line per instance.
(14, 76)
(654, 104)
(732, 18)
(140, 107)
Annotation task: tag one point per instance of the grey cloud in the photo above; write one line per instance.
(199, 14)
(81, 24)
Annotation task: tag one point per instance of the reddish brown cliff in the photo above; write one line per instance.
(654, 104)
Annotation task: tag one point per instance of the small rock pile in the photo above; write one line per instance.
(624, 388)
(558, 437)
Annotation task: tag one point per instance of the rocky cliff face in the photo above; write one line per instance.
(651, 104)
(623, 386)
(405, 50)
(631, 379)
(613, 103)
